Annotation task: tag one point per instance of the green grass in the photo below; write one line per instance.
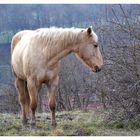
(130, 125)
(75, 123)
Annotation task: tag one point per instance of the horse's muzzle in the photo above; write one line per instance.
(97, 69)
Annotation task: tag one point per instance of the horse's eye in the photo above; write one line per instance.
(95, 45)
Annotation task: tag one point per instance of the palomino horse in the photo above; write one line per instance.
(35, 60)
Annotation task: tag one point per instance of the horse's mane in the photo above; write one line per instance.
(53, 36)
(54, 39)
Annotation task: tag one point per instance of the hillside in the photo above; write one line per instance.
(116, 89)
(75, 123)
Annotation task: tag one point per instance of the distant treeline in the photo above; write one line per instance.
(15, 17)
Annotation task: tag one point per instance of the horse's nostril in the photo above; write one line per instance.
(97, 69)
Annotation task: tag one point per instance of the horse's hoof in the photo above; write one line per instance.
(54, 124)
(24, 121)
(33, 122)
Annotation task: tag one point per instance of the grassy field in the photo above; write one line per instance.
(76, 123)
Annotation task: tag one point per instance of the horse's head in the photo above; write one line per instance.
(88, 50)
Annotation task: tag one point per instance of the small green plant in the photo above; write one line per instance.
(118, 125)
(129, 125)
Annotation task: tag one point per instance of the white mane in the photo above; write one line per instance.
(53, 35)
(54, 40)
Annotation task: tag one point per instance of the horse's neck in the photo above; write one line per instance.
(57, 52)
(59, 56)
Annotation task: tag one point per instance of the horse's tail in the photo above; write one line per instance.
(16, 38)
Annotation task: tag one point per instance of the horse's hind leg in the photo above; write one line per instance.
(23, 98)
(27, 105)
(33, 90)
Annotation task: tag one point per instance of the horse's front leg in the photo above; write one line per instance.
(52, 90)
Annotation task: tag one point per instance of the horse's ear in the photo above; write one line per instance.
(89, 30)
